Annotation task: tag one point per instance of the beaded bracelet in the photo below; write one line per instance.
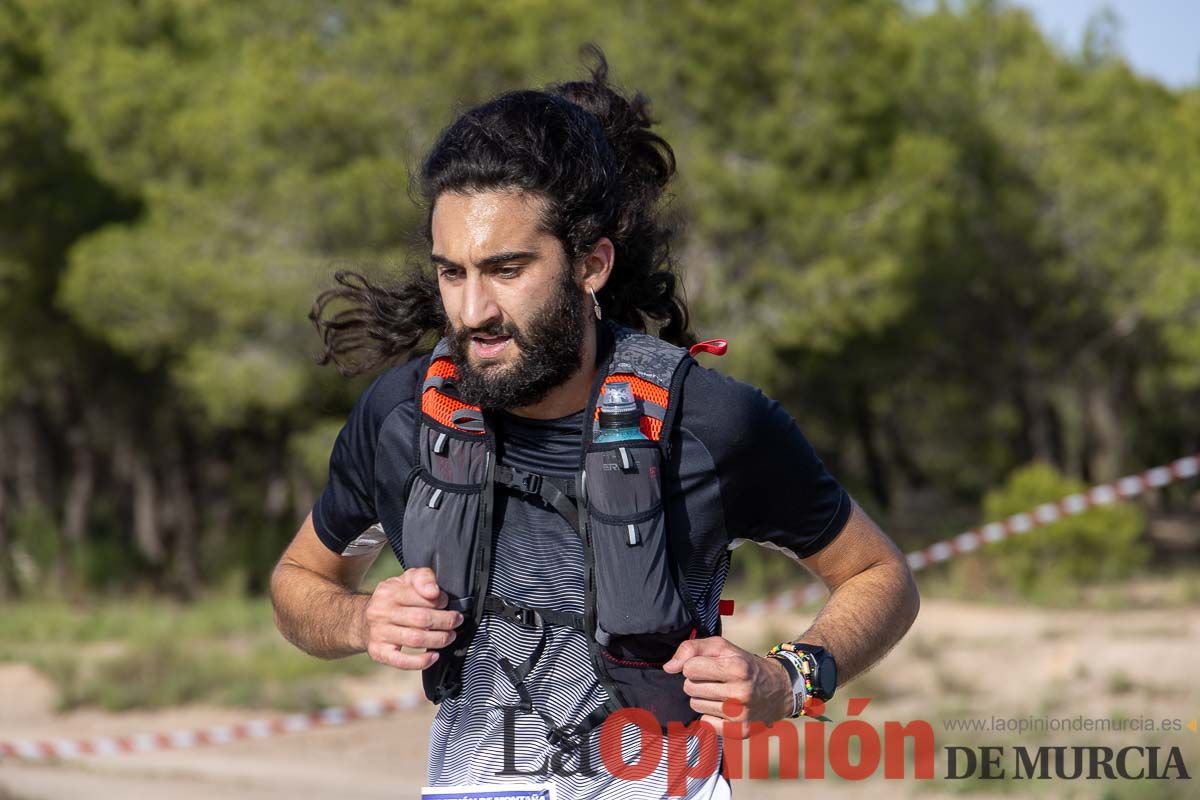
(806, 666)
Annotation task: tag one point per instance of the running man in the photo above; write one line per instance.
(551, 580)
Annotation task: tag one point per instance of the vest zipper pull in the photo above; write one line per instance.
(631, 534)
(439, 446)
(436, 499)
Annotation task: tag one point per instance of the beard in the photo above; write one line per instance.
(550, 350)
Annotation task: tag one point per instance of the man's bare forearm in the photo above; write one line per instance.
(865, 617)
(320, 617)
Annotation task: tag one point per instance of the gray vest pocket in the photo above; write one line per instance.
(636, 591)
(439, 533)
(442, 508)
(451, 458)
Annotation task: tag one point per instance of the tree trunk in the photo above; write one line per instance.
(1041, 430)
(303, 496)
(864, 425)
(914, 476)
(26, 456)
(218, 502)
(147, 529)
(185, 554)
(8, 583)
(275, 503)
(78, 503)
(1104, 421)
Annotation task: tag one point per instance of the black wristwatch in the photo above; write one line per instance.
(824, 680)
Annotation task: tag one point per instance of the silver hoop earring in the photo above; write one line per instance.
(595, 302)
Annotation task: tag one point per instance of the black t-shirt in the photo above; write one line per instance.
(774, 488)
(731, 440)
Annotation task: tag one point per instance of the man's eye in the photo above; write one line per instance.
(508, 272)
(449, 273)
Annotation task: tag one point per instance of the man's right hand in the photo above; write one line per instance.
(408, 611)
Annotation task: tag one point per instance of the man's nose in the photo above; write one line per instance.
(479, 308)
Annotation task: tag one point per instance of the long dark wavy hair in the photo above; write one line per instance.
(584, 148)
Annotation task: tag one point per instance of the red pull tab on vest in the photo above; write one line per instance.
(715, 346)
(725, 608)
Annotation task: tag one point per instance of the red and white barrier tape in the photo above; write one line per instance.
(218, 734)
(1102, 495)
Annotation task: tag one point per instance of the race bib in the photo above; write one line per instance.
(511, 791)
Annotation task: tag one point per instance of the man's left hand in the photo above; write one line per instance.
(716, 670)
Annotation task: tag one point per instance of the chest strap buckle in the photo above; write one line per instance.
(523, 616)
(531, 482)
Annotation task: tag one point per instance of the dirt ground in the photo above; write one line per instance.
(958, 660)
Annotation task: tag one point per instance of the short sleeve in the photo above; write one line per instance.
(345, 510)
(775, 489)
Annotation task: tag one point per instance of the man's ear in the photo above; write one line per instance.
(598, 264)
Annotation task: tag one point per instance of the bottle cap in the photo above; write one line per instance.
(618, 406)
(618, 396)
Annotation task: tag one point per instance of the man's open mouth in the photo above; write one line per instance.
(489, 346)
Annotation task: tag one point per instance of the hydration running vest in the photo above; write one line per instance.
(637, 610)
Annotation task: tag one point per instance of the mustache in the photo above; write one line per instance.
(463, 335)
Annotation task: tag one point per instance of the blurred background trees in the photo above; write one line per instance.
(949, 248)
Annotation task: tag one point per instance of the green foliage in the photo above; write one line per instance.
(946, 245)
(213, 616)
(1101, 544)
(170, 672)
(311, 448)
(35, 536)
(151, 653)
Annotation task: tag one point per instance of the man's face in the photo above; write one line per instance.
(515, 315)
